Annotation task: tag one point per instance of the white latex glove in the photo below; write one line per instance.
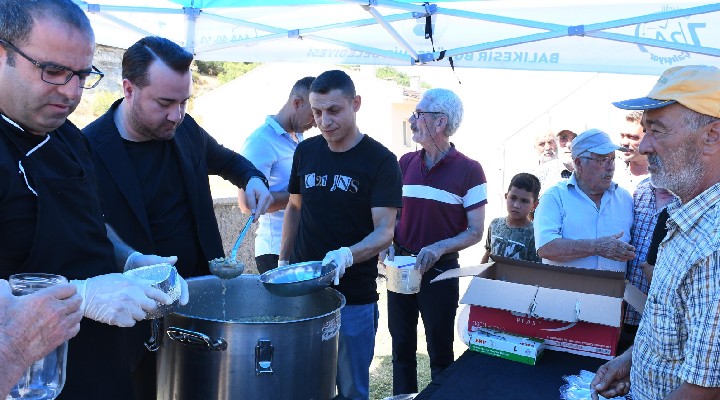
(282, 263)
(257, 196)
(116, 299)
(387, 254)
(137, 260)
(342, 257)
(184, 291)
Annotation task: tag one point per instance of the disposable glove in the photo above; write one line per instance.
(282, 263)
(184, 291)
(387, 254)
(116, 299)
(341, 257)
(138, 260)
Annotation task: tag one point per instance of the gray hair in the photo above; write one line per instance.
(17, 17)
(448, 103)
(694, 120)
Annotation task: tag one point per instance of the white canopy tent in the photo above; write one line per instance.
(639, 37)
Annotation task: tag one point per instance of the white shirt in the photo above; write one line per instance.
(626, 180)
(271, 150)
(567, 212)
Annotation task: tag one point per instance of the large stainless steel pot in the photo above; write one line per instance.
(236, 340)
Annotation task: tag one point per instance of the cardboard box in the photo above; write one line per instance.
(506, 345)
(574, 310)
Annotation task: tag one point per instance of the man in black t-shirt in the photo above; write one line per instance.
(345, 189)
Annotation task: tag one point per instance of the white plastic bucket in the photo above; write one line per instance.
(402, 277)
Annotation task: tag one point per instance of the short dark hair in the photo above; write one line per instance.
(302, 87)
(332, 80)
(526, 181)
(137, 58)
(18, 17)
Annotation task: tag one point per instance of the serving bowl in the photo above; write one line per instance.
(298, 279)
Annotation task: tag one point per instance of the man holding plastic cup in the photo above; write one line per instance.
(50, 215)
(31, 326)
(444, 198)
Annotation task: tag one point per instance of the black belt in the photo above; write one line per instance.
(403, 251)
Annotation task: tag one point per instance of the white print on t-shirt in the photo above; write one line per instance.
(340, 182)
(312, 180)
(345, 183)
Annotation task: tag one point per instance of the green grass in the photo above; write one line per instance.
(381, 368)
(381, 375)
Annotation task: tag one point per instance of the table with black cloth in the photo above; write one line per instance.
(478, 376)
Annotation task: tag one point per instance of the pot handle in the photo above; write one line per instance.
(153, 344)
(196, 339)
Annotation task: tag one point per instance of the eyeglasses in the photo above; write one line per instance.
(59, 75)
(605, 161)
(417, 114)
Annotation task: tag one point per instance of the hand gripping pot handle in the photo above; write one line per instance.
(196, 339)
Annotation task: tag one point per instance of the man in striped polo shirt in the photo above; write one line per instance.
(444, 197)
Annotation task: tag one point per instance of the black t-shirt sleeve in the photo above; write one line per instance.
(658, 235)
(387, 190)
(293, 180)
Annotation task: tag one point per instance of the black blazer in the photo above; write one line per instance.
(199, 155)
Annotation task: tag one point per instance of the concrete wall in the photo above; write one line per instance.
(230, 222)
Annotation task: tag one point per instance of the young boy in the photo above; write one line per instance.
(513, 236)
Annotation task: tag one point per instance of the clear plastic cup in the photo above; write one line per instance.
(46, 377)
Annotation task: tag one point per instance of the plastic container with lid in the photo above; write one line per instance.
(402, 277)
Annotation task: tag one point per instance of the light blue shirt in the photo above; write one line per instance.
(567, 212)
(271, 150)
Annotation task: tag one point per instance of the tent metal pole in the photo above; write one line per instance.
(390, 30)
(191, 16)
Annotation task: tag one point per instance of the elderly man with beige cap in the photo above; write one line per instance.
(585, 221)
(677, 349)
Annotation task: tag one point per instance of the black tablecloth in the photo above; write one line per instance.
(478, 376)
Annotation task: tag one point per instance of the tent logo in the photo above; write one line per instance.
(678, 30)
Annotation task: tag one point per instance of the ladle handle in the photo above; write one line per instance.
(236, 246)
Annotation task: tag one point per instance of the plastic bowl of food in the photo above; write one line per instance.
(163, 277)
(298, 279)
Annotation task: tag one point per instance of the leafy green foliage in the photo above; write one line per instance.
(232, 70)
(224, 70)
(390, 73)
(102, 100)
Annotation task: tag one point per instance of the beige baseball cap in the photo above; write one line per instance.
(696, 87)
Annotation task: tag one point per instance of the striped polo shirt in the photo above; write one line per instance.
(435, 201)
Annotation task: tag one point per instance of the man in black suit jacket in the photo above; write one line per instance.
(153, 162)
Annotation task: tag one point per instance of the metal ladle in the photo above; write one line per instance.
(228, 268)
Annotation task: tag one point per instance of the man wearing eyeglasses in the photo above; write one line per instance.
(585, 221)
(50, 215)
(444, 198)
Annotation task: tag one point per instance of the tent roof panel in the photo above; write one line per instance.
(608, 36)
